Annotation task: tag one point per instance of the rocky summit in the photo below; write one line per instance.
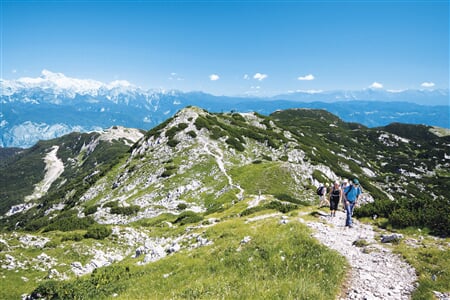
(229, 195)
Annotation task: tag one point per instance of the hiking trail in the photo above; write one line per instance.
(376, 272)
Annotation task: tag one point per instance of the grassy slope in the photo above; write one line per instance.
(279, 262)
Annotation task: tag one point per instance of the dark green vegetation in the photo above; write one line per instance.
(409, 162)
(83, 166)
(418, 212)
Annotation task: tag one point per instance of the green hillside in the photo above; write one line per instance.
(193, 207)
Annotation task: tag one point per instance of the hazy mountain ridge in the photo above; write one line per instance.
(53, 105)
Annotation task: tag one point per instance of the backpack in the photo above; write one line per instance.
(320, 190)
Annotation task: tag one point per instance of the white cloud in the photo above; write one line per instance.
(259, 76)
(246, 77)
(214, 77)
(14, 71)
(306, 77)
(427, 84)
(376, 85)
(175, 76)
(395, 91)
(309, 91)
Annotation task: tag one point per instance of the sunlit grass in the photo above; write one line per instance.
(431, 259)
(280, 261)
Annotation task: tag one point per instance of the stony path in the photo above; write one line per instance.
(217, 153)
(376, 272)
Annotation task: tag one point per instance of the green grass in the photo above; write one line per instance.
(279, 262)
(267, 178)
(271, 266)
(430, 259)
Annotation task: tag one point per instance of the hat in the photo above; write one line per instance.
(336, 182)
(355, 181)
(345, 181)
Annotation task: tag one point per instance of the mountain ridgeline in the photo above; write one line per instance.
(206, 161)
(134, 191)
(53, 105)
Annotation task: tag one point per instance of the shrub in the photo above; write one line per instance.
(234, 143)
(188, 217)
(360, 243)
(4, 246)
(276, 205)
(201, 122)
(167, 173)
(288, 198)
(192, 134)
(125, 210)
(69, 223)
(74, 236)
(172, 143)
(411, 212)
(90, 210)
(238, 117)
(182, 206)
(319, 176)
(98, 232)
(217, 133)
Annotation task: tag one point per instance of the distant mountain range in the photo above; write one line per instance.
(53, 104)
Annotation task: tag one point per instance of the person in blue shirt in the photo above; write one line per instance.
(352, 193)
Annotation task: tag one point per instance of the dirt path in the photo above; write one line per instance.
(376, 272)
(217, 153)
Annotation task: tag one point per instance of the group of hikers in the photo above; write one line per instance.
(346, 192)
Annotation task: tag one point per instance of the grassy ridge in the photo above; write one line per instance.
(277, 263)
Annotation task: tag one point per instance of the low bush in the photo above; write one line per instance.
(288, 198)
(125, 210)
(234, 143)
(73, 236)
(182, 206)
(276, 205)
(69, 223)
(172, 143)
(98, 232)
(192, 134)
(188, 217)
(90, 210)
(434, 214)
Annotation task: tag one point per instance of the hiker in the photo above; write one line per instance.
(344, 184)
(352, 194)
(322, 192)
(335, 197)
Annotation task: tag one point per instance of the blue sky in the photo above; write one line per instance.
(232, 47)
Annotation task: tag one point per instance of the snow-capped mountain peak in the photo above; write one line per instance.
(62, 84)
